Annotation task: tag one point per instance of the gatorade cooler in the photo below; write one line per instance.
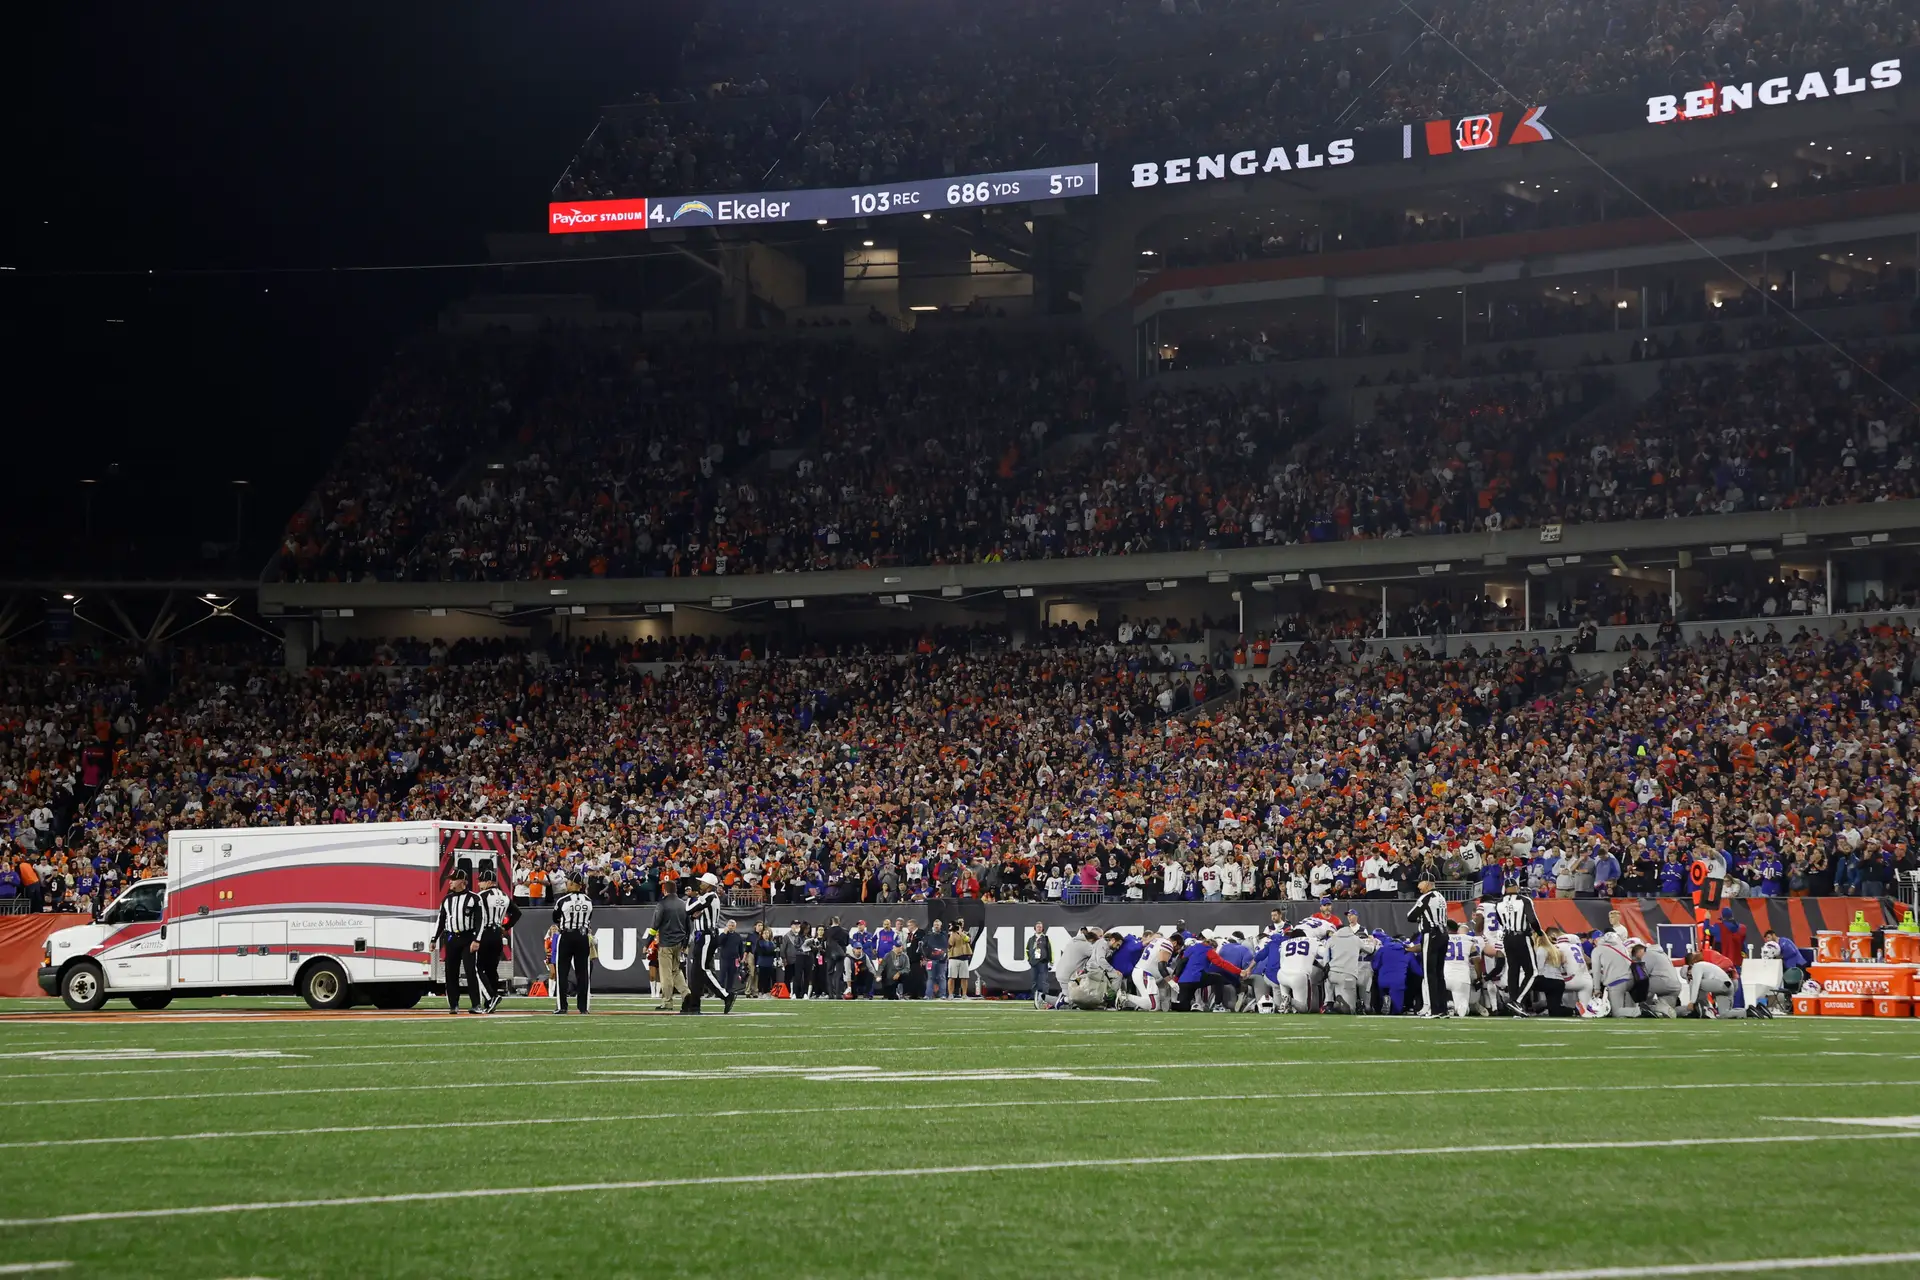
(1901, 948)
(1892, 1006)
(1807, 1006)
(1830, 945)
(1846, 1006)
(1860, 948)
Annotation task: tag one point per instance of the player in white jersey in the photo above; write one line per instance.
(1296, 971)
(1492, 963)
(1579, 974)
(1462, 949)
(1148, 973)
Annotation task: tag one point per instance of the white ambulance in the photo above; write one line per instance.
(336, 914)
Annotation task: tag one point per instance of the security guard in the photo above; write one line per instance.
(457, 931)
(573, 917)
(497, 916)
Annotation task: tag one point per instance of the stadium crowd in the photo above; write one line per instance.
(1336, 769)
(803, 96)
(634, 460)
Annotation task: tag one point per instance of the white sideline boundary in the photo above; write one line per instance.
(1747, 1267)
(955, 1170)
(1542, 1058)
(750, 1112)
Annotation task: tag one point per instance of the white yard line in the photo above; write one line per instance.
(958, 1170)
(1056, 1066)
(1050, 1103)
(22, 1268)
(1748, 1267)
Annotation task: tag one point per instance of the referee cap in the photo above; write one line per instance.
(484, 875)
(710, 879)
(458, 874)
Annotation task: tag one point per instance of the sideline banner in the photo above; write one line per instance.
(999, 951)
(21, 938)
(621, 933)
(1000, 929)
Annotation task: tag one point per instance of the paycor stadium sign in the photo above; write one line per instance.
(1614, 113)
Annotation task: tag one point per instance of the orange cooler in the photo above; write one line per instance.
(1892, 1006)
(1806, 1006)
(1860, 948)
(1830, 946)
(1846, 1006)
(1901, 948)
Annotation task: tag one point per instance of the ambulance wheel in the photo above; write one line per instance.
(84, 987)
(151, 1000)
(393, 995)
(323, 985)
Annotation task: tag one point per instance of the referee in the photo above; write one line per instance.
(1429, 916)
(573, 917)
(457, 932)
(497, 915)
(1520, 926)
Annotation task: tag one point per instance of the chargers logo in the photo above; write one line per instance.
(691, 206)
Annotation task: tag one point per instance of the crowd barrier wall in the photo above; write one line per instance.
(999, 930)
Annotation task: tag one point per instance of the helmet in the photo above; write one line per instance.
(711, 880)
(1596, 1007)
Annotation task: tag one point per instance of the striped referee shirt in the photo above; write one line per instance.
(459, 913)
(704, 912)
(1517, 916)
(497, 911)
(1429, 914)
(573, 913)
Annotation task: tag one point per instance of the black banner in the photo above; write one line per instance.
(1000, 930)
(1651, 103)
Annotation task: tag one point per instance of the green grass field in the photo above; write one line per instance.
(953, 1139)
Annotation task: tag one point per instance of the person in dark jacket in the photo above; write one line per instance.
(833, 949)
(732, 952)
(673, 930)
(766, 959)
(1040, 963)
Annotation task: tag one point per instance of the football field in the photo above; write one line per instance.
(248, 1138)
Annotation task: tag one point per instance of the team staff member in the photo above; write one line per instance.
(497, 915)
(1040, 963)
(458, 933)
(1520, 927)
(573, 917)
(1429, 916)
(674, 930)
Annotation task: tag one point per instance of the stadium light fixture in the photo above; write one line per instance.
(819, 222)
(866, 244)
(68, 595)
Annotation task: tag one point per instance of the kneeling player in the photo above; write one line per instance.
(1296, 972)
(1462, 948)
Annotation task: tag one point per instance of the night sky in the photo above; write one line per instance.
(219, 135)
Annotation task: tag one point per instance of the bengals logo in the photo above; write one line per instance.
(1475, 133)
(1478, 133)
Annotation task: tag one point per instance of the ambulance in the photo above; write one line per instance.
(338, 915)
